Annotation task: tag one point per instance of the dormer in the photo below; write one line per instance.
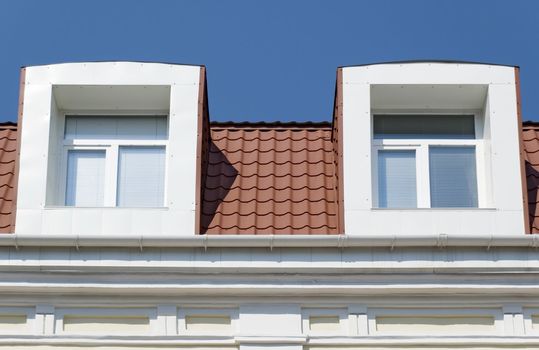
(109, 148)
(431, 148)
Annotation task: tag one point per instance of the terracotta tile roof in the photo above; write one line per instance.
(530, 136)
(8, 154)
(270, 179)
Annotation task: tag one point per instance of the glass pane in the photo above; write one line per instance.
(397, 179)
(141, 177)
(424, 127)
(453, 179)
(116, 128)
(85, 178)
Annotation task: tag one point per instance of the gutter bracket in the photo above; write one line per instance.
(490, 243)
(205, 240)
(534, 243)
(442, 241)
(271, 243)
(16, 243)
(77, 244)
(393, 242)
(140, 243)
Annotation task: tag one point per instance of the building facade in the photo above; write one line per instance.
(131, 221)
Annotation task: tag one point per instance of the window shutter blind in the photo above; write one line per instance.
(141, 177)
(116, 128)
(397, 179)
(85, 178)
(453, 179)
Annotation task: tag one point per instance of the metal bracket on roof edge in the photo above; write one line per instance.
(16, 243)
(490, 243)
(535, 242)
(77, 244)
(341, 242)
(271, 242)
(442, 240)
(393, 242)
(205, 240)
(140, 243)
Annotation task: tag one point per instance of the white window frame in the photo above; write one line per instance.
(111, 148)
(421, 148)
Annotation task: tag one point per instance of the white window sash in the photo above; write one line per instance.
(421, 146)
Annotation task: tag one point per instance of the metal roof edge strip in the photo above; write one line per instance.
(428, 61)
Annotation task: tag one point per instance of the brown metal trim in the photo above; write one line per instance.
(22, 83)
(337, 124)
(200, 139)
(522, 156)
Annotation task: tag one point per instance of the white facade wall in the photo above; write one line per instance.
(503, 212)
(72, 293)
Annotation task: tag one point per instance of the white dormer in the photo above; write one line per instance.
(108, 148)
(431, 148)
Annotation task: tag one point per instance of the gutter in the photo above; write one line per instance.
(268, 241)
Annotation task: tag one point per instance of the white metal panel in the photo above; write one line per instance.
(430, 73)
(501, 146)
(183, 82)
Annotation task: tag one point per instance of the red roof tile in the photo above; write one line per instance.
(530, 136)
(270, 179)
(8, 154)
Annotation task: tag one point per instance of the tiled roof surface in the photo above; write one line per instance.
(270, 179)
(530, 135)
(8, 153)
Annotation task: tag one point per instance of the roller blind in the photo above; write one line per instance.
(85, 178)
(424, 126)
(141, 176)
(397, 179)
(116, 128)
(453, 179)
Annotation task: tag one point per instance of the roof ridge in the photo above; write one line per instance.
(269, 124)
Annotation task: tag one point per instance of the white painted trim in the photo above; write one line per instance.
(341, 313)
(373, 313)
(184, 312)
(150, 312)
(31, 325)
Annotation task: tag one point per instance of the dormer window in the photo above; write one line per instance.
(114, 161)
(425, 161)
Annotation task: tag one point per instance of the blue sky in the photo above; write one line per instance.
(269, 60)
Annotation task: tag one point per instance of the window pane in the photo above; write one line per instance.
(116, 128)
(397, 179)
(424, 127)
(85, 178)
(453, 179)
(141, 177)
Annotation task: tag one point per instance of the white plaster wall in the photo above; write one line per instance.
(33, 216)
(506, 214)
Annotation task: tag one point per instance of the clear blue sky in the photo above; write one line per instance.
(269, 60)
